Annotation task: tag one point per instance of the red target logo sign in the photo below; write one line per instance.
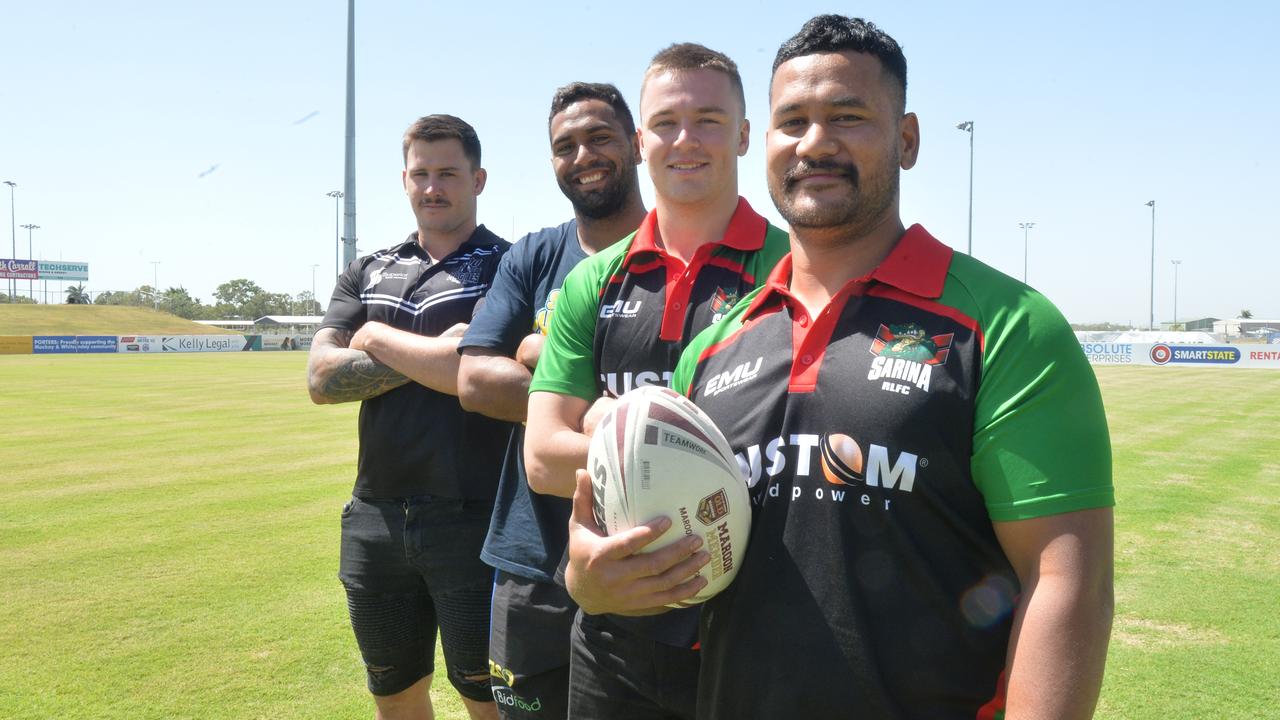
(1161, 354)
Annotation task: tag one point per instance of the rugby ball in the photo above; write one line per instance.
(656, 453)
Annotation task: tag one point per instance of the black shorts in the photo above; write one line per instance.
(412, 566)
(529, 647)
(617, 675)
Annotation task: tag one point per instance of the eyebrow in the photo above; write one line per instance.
(845, 101)
(703, 110)
(564, 137)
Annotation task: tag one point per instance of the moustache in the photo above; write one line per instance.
(825, 167)
(433, 202)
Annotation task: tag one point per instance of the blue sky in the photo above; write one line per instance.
(110, 112)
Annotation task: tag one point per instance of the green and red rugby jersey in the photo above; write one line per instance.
(880, 439)
(625, 314)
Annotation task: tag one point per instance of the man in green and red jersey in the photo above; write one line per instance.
(924, 443)
(621, 321)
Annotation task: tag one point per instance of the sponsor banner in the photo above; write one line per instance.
(1103, 353)
(285, 342)
(63, 344)
(1173, 354)
(15, 344)
(19, 269)
(184, 343)
(60, 270)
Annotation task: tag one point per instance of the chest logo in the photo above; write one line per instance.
(729, 379)
(542, 319)
(377, 276)
(470, 272)
(905, 356)
(722, 302)
(620, 309)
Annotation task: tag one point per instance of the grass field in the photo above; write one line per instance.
(169, 539)
(95, 320)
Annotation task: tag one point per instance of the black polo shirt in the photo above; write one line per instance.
(415, 440)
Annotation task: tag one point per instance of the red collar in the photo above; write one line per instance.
(917, 264)
(746, 232)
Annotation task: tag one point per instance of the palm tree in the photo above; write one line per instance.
(77, 295)
(1246, 314)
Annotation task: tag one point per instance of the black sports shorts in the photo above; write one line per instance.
(529, 647)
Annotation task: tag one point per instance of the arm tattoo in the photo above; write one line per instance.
(354, 375)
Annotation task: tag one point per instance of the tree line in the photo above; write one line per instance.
(238, 299)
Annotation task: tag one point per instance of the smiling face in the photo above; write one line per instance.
(441, 185)
(594, 158)
(692, 134)
(837, 139)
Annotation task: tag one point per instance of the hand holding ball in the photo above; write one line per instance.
(656, 454)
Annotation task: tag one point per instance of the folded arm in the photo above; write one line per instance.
(336, 373)
(493, 384)
(428, 361)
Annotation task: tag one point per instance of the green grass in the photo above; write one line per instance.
(96, 320)
(169, 541)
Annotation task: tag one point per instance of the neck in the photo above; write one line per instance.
(684, 228)
(824, 260)
(596, 234)
(439, 244)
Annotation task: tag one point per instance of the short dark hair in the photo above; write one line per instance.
(604, 92)
(837, 33)
(445, 127)
(692, 56)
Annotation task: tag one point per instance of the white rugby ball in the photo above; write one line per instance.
(656, 453)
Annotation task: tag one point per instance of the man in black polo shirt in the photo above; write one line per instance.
(427, 470)
(595, 157)
(924, 443)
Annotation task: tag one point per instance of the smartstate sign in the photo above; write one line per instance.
(1169, 354)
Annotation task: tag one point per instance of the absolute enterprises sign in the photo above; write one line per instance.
(43, 270)
(1167, 354)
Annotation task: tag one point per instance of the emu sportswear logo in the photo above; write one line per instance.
(620, 309)
(730, 379)
(905, 357)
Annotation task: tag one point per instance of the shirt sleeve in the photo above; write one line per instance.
(567, 364)
(346, 311)
(1041, 444)
(506, 315)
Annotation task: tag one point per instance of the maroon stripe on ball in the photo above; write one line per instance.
(671, 417)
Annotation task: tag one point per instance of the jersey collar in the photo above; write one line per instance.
(917, 264)
(746, 232)
(480, 237)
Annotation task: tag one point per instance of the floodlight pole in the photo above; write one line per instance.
(13, 223)
(31, 290)
(1175, 263)
(337, 231)
(1151, 321)
(1026, 228)
(155, 284)
(967, 126)
(349, 161)
(314, 304)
